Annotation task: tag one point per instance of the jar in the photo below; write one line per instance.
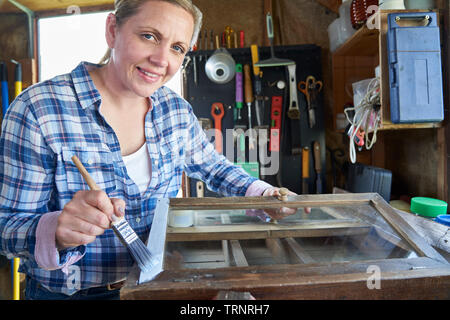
(419, 4)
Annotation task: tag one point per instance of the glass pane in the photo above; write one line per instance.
(227, 238)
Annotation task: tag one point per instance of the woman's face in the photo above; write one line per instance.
(149, 47)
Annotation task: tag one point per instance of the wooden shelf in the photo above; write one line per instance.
(364, 42)
(388, 125)
(356, 60)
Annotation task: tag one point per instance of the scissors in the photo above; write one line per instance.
(310, 88)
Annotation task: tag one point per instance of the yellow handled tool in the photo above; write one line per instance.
(16, 261)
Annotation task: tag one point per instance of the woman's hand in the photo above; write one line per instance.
(85, 217)
(282, 212)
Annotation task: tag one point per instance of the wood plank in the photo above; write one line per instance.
(394, 239)
(321, 228)
(300, 255)
(436, 234)
(405, 230)
(325, 280)
(226, 251)
(48, 5)
(278, 251)
(238, 254)
(229, 203)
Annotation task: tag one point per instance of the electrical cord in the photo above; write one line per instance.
(366, 117)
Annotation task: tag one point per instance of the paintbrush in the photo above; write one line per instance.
(122, 229)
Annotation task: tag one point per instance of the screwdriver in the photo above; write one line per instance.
(249, 100)
(17, 78)
(239, 94)
(4, 85)
(257, 82)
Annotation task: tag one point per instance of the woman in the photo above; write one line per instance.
(134, 136)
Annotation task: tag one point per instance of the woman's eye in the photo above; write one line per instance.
(179, 49)
(148, 36)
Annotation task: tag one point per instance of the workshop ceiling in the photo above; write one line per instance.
(61, 5)
(52, 5)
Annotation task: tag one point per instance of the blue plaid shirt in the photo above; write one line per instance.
(56, 119)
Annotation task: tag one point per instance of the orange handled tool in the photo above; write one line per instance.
(305, 169)
(217, 112)
(249, 100)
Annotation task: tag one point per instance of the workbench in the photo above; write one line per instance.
(351, 246)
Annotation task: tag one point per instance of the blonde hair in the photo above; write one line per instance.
(124, 9)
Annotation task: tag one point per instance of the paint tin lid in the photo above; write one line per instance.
(444, 219)
(428, 207)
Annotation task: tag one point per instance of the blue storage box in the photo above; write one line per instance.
(415, 72)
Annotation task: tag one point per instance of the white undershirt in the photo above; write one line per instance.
(139, 167)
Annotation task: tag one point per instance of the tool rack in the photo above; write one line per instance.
(202, 93)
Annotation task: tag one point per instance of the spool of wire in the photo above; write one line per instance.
(360, 11)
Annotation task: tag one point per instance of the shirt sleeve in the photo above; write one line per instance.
(257, 188)
(26, 174)
(47, 255)
(204, 163)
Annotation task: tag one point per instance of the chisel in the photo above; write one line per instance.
(17, 78)
(257, 74)
(317, 166)
(305, 170)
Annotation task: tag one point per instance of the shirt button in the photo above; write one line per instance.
(156, 162)
(90, 162)
(138, 220)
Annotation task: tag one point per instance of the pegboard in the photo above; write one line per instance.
(201, 92)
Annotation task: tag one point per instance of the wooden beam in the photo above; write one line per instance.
(230, 203)
(400, 278)
(279, 253)
(318, 228)
(300, 255)
(238, 254)
(53, 5)
(405, 230)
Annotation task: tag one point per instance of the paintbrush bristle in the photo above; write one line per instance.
(134, 244)
(122, 229)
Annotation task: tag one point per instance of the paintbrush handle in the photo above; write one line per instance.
(86, 176)
(89, 180)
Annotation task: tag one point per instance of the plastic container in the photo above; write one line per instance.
(181, 218)
(420, 4)
(443, 219)
(428, 207)
(391, 4)
(347, 29)
(335, 35)
(415, 67)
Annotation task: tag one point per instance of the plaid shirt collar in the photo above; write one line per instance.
(85, 89)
